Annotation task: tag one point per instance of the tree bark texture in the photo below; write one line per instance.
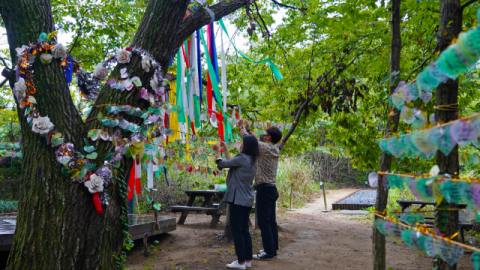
(447, 93)
(378, 239)
(57, 226)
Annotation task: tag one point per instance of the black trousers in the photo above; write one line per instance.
(242, 240)
(267, 196)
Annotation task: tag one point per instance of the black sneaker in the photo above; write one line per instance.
(274, 255)
(263, 256)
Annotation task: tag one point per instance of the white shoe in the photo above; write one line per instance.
(235, 265)
(248, 264)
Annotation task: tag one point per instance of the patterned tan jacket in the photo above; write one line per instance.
(267, 162)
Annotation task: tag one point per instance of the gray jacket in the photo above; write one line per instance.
(239, 179)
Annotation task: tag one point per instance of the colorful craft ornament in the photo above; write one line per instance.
(450, 192)
(425, 143)
(94, 184)
(475, 260)
(429, 246)
(448, 252)
(452, 62)
(411, 218)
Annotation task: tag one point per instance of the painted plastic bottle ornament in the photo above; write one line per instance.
(42, 36)
(46, 58)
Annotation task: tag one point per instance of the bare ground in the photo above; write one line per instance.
(309, 239)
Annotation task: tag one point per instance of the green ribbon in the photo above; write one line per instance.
(273, 67)
(196, 101)
(180, 112)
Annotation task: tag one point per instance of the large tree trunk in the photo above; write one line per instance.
(57, 226)
(447, 93)
(378, 239)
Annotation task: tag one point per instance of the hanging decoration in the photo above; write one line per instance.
(437, 187)
(425, 143)
(425, 240)
(169, 116)
(452, 62)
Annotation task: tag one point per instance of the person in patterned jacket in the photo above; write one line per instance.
(267, 193)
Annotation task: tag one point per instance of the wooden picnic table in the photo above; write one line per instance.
(461, 226)
(407, 204)
(210, 208)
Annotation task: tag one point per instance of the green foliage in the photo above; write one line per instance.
(102, 27)
(299, 172)
(351, 40)
(395, 194)
(8, 206)
(296, 170)
(10, 176)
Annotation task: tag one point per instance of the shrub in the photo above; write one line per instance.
(300, 172)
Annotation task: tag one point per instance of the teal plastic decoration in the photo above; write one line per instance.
(475, 260)
(407, 115)
(411, 218)
(429, 246)
(395, 147)
(395, 181)
(452, 62)
(42, 36)
(441, 138)
(450, 253)
(450, 191)
(395, 232)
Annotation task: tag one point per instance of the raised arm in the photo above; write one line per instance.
(232, 163)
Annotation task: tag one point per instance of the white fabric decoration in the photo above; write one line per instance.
(100, 72)
(21, 88)
(123, 56)
(20, 50)
(95, 184)
(42, 125)
(59, 51)
(212, 15)
(193, 84)
(146, 63)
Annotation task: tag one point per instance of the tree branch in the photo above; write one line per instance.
(79, 33)
(287, 6)
(468, 3)
(421, 65)
(263, 22)
(202, 17)
(320, 80)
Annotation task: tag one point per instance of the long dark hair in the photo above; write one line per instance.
(250, 147)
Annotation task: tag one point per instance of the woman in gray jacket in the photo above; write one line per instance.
(239, 196)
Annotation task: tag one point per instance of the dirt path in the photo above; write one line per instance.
(309, 239)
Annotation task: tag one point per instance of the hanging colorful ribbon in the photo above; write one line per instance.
(211, 72)
(273, 67)
(134, 180)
